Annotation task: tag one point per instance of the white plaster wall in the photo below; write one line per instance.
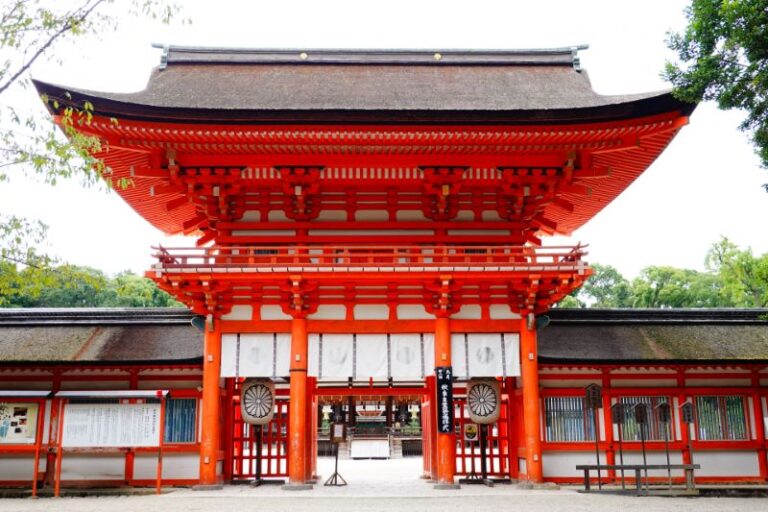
(469, 312)
(563, 464)
(502, 312)
(239, 312)
(332, 215)
(372, 215)
(643, 383)
(93, 467)
(329, 312)
(175, 465)
(277, 216)
(565, 383)
(412, 312)
(723, 463)
(410, 215)
(167, 384)
(273, 312)
(251, 216)
(491, 215)
(655, 457)
(371, 312)
(718, 382)
(42, 385)
(95, 384)
(264, 232)
(19, 467)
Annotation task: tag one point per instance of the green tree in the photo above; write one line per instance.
(606, 288)
(723, 56)
(669, 287)
(744, 276)
(128, 290)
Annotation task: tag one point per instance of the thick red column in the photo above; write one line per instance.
(298, 451)
(531, 407)
(446, 443)
(211, 415)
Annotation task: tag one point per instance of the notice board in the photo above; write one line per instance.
(111, 425)
(18, 423)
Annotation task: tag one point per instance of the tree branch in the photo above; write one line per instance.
(63, 30)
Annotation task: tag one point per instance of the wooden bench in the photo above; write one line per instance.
(690, 485)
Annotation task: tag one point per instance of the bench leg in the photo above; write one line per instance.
(690, 484)
(638, 481)
(586, 479)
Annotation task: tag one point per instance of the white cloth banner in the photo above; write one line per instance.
(403, 357)
(485, 355)
(255, 355)
(372, 357)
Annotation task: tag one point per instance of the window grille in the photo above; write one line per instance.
(721, 418)
(654, 429)
(180, 415)
(568, 419)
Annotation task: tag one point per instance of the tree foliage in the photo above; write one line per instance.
(31, 31)
(74, 286)
(734, 277)
(723, 56)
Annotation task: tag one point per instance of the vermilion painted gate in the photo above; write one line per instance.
(245, 439)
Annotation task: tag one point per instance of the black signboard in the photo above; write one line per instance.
(617, 413)
(687, 412)
(444, 376)
(594, 395)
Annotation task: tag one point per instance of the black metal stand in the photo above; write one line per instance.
(596, 419)
(621, 454)
(257, 435)
(645, 458)
(482, 478)
(336, 480)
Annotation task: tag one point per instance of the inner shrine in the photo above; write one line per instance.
(368, 235)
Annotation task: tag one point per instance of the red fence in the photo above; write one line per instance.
(497, 451)
(273, 439)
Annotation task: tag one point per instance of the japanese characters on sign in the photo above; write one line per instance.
(111, 425)
(444, 379)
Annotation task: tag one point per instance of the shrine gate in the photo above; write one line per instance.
(365, 219)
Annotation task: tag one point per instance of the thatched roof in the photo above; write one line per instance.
(582, 335)
(679, 335)
(248, 85)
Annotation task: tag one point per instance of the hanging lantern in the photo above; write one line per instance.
(484, 401)
(257, 401)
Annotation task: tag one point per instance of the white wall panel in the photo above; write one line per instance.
(723, 463)
(563, 464)
(175, 465)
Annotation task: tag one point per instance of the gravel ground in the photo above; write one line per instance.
(380, 486)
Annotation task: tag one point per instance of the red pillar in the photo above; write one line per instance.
(531, 408)
(446, 443)
(211, 417)
(298, 453)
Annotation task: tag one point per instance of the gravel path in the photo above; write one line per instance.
(391, 486)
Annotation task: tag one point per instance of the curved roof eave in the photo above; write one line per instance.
(121, 106)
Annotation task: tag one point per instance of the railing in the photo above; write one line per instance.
(367, 258)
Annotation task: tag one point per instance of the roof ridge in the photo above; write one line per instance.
(173, 54)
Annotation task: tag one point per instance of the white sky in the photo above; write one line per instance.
(706, 184)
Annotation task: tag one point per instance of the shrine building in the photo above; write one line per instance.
(366, 236)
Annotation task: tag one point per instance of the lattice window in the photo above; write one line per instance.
(654, 429)
(721, 418)
(180, 420)
(568, 419)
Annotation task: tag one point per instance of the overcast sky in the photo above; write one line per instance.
(706, 184)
